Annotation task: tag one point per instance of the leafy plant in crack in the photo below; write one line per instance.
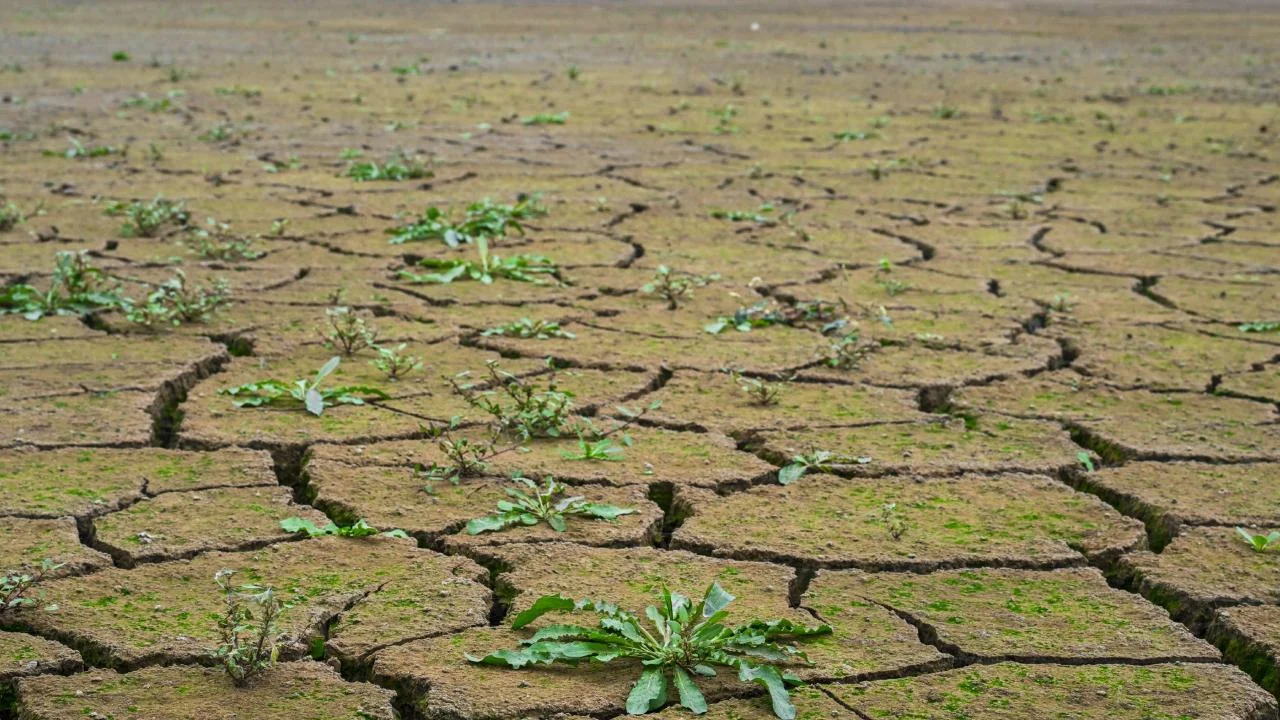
(1260, 543)
(672, 286)
(249, 629)
(358, 529)
(76, 288)
(816, 461)
(550, 504)
(847, 351)
(530, 329)
(685, 639)
(394, 169)
(759, 217)
(465, 457)
(215, 242)
(520, 268)
(481, 219)
(545, 119)
(78, 150)
(849, 135)
(12, 216)
(517, 405)
(303, 392)
(348, 331)
(1259, 327)
(761, 393)
(147, 219)
(174, 303)
(15, 587)
(602, 450)
(1085, 460)
(893, 520)
(394, 362)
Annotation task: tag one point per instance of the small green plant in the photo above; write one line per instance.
(893, 520)
(249, 629)
(550, 503)
(759, 216)
(11, 215)
(303, 392)
(530, 329)
(816, 461)
(76, 288)
(1259, 327)
(358, 529)
(850, 135)
(148, 103)
(15, 587)
(147, 219)
(1085, 460)
(686, 640)
(484, 219)
(120, 56)
(545, 119)
(724, 119)
(602, 450)
(517, 405)
(761, 393)
(672, 286)
(1062, 303)
(348, 331)
(78, 151)
(573, 72)
(216, 243)
(465, 457)
(278, 227)
(1260, 543)
(942, 111)
(889, 284)
(219, 133)
(394, 169)
(519, 268)
(174, 303)
(394, 362)
(846, 352)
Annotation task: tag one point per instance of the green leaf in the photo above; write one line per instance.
(490, 523)
(649, 693)
(715, 600)
(556, 521)
(328, 368)
(297, 524)
(690, 696)
(771, 679)
(791, 473)
(540, 607)
(314, 402)
(605, 512)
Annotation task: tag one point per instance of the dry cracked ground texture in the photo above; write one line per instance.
(1054, 230)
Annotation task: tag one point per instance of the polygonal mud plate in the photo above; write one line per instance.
(916, 366)
(867, 642)
(993, 615)
(1091, 692)
(121, 419)
(23, 655)
(160, 612)
(114, 350)
(396, 497)
(717, 401)
(1169, 495)
(944, 447)
(15, 328)
(1205, 568)
(826, 521)
(1160, 358)
(28, 543)
(1237, 300)
(91, 481)
(1249, 636)
(1263, 385)
(184, 524)
(288, 691)
(212, 421)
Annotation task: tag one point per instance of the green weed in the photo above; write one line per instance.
(550, 503)
(303, 392)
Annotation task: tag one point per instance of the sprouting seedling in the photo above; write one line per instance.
(761, 393)
(358, 529)
(1062, 303)
(816, 461)
(602, 450)
(1259, 327)
(1260, 543)
(348, 331)
(517, 405)
(545, 119)
(942, 111)
(15, 587)
(759, 217)
(686, 639)
(78, 150)
(174, 303)
(395, 169)
(549, 503)
(673, 286)
(12, 216)
(216, 243)
(485, 219)
(147, 219)
(249, 629)
(1085, 460)
(520, 268)
(76, 288)
(395, 362)
(847, 351)
(530, 329)
(464, 457)
(306, 393)
(850, 135)
(893, 520)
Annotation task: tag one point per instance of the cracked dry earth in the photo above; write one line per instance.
(1047, 225)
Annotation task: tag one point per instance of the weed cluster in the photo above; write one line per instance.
(174, 303)
(249, 629)
(530, 329)
(673, 286)
(147, 219)
(519, 268)
(303, 392)
(550, 503)
(76, 288)
(484, 219)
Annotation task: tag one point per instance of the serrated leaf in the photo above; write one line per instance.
(649, 693)
(690, 696)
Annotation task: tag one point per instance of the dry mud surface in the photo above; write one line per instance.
(1053, 229)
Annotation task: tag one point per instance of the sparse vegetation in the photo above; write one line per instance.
(516, 405)
(249, 629)
(399, 168)
(174, 303)
(687, 639)
(16, 587)
(535, 269)
(348, 331)
(816, 461)
(395, 362)
(530, 329)
(559, 118)
(358, 529)
(484, 219)
(148, 219)
(1259, 542)
(303, 392)
(762, 393)
(76, 288)
(673, 286)
(550, 503)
